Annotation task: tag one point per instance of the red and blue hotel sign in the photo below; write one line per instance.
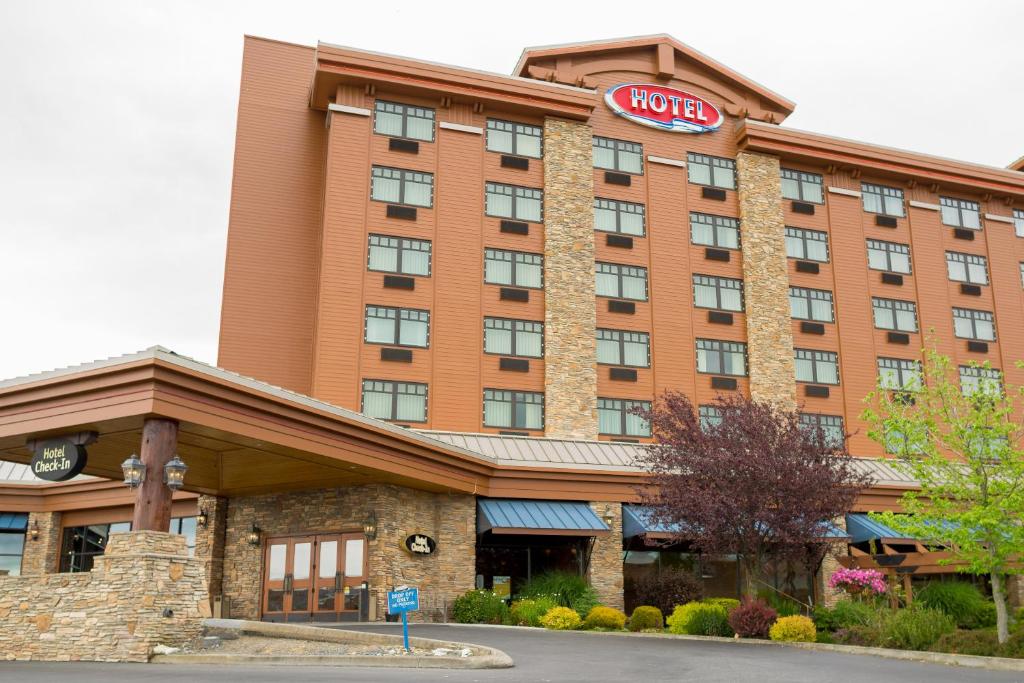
(662, 107)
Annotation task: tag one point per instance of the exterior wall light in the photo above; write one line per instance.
(609, 516)
(202, 519)
(174, 473)
(33, 533)
(134, 471)
(370, 526)
(254, 535)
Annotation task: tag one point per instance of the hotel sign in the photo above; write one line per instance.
(420, 544)
(58, 459)
(662, 107)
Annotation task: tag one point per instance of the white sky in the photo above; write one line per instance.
(117, 124)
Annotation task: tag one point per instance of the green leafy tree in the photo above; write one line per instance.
(959, 436)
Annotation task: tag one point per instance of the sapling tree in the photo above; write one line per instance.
(957, 431)
(747, 478)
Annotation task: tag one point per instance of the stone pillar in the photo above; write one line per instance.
(570, 314)
(42, 556)
(210, 541)
(830, 596)
(605, 570)
(1015, 591)
(766, 281)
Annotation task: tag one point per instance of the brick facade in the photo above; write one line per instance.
(41, 555)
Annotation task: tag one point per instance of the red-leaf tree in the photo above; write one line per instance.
(749, 481)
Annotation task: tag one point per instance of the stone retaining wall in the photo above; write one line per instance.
(144, 591)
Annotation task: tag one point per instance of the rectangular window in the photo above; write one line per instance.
(619, 347)
(975, 379)
(702, 169)
(898, 442)
(720, 293)
(721, 357)
(398, 186)
(513, 268)
(185, 526)
(807, 245)
(811, 304)
(888, 256)
(402, 401)
(899, 374)
(513, 409)
(828, 428)
(967, 268)
(881, 199)
(802, 186)
(615, 417)
(81, 545)
(517, 139)
(512, 201)
(1018, 222)
(507, 337)
(398, 326)
(817, 367)
(12, 547)
(709, 416)
(714, 231)
(892, 314)
(960, 213)
(971, 324)
(621, 282)
(615, 216)
(618, 155)
(403, 121)
(399, 255)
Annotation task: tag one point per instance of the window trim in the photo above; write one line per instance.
(401, 248)
(698, 159)
(616, 148)
(717, 222)
(804, 239)
(902, 366)
(721, 351)
(617, 206)
(980, 373)
(515, 395)
(515, 137)
(405, 172)
(717, 285)
(815, 420)
(394, 399)
(514, 351)
(515, 261)
(405, 120)
(627, 404)
(800, 180)
(809, 298)
(960, 205)
(515, 201)
(620, 341)
(975, 315)
(883, 191)
(398, 325)
(618, 279)
(892, 310)
(888, 256)
(966, 259)
(815, 361)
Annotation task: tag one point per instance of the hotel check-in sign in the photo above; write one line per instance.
(662, 107)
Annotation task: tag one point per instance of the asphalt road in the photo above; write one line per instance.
(555, 657)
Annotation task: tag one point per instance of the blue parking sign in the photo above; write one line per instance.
(403, 600)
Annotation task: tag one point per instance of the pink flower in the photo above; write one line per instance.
(858, 579)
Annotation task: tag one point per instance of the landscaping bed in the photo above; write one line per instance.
(267, 646)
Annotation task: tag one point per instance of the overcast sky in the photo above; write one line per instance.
(117, 125)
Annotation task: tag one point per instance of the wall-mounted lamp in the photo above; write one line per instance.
(608, 517)
(202, 519)
(254, 535)
(370, 526)
(134, 471)
(174, 473)
(33, 533)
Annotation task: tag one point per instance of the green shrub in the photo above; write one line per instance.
(700, 619)
(915, 628)
(865, 636)
(561, 619)
(668, 588)
(985, 617)
(528, 612)
(782, 605)
(727, 603)
(793, 629)
(752, 619)
(646, 618)
(960, 600)
(479, 607)
(843, 614)
(983, 643)
(605, 617)
(565, 588)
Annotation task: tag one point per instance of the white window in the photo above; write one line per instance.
(702, 169)
(403, 401)
(403, 121)
(967, 268)
(399, 255)
(721, 357)
(615, 417)
(714, 231)
(621, 282)
(1018, 222)
(720, 293)
(513, 337)
(960, 213)
(816, 367)
(881, 199)
(900, 374)
(888, 256)
(518, 139)
(618, 155)
(971, 324)
(802, 186)
(892, 314)
(513, 409)
(811, 304)
(398, 186)
(807, 245)
(517, 203)
(615, 216)
(828, 428)
(709, 416)
(975, 379)
(513, 268)
(398, 326)
(620, 347)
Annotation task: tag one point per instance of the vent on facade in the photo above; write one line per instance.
(617, 306)
(399, 282)
(521, 163)
(977, 346)
(406, 213)
(396, 355)
(892, 279)
(727, 383)
(622, 374)
(514, 364)
(716, 193)
(620, 241)
(512, 294)
(963, 234)
(804, 208)
(898, 338)
(620, 440)
(617, 179)
(720, 317)
(400, 145)
(505, 432)
(885, 221)
(716, 254)
(515, 227)
(816, 391)
(811, 328)
(970, 290)
(807, 267)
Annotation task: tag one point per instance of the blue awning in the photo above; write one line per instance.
(861, 528)
(537, 517)
(638, 520)
(13, 521)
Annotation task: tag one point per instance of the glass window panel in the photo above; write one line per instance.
(301, 563)
(906, 320)
(497, 413)
(354, 550)
(528, 145)
(607, 284)
(529, 274)
(804, 370)
(412, 407)
(529, 343)
(420, 128)
(275, 601)
(608, 351)
(532, 416)
(498, 272)
(380, 330)
(383, 258)
(325, 598)
(634, 287)
(499, 141)
(413, 333)
(388, 123)
(498, 341)
(950, 215)
(12, 543)
(609, 419)
(894, 205)
(821, 310)
(630, 162)
(635, 353)
(899, 263)
(699, 174)
(278, 551)
(499, 205)
(300, 599)
(604, 219)
(377, 404)
(604, 158)
(528, 209)
(386, 189)
(798, 307)
(632, 223)
(970, 218)
(872, 202)
(790, 188)
(418, 193)
(812, 193)
(636, 425)
(328, 559)
(732, 299)
(817, 251)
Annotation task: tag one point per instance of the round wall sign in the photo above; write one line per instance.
(420, 544)
(58, 460)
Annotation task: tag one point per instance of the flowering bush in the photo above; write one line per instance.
(561, 619)
(855, 581)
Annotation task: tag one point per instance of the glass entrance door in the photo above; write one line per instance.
(288, 564)
(318, 578)
(340, 575)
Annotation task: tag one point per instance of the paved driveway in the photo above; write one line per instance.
(555, 657)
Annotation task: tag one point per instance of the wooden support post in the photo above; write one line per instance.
(153, 500)
(908, 589)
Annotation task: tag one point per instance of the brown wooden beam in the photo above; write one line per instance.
(153, 501)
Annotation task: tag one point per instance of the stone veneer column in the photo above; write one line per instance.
(830, 596)
(570, 314)
(605, 570)
(210, 541)
(41, 555)
(766, 280)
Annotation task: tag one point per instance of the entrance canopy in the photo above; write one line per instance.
(640, 520)
(863, 529)
(538, 518)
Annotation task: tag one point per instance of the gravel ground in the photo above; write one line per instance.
(260, 645)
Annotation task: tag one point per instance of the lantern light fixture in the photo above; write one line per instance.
(174, 473)
(202, 519)
(370, 526)
(254, 535)
(33, 533)
(134, 471)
